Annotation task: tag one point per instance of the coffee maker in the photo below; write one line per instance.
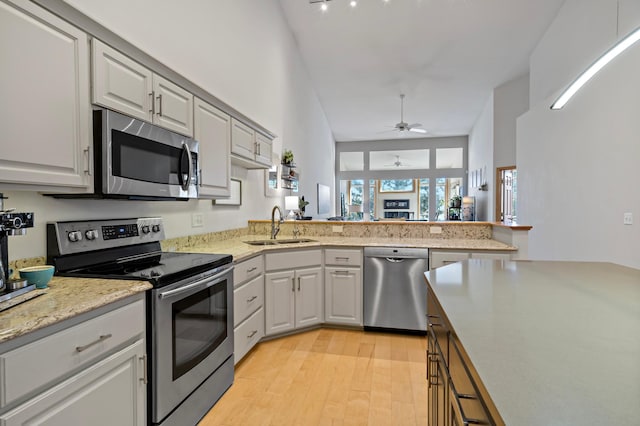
(11, 224)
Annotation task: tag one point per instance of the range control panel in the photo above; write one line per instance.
(82, 236)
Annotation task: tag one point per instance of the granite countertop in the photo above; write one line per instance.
(554, 343)
(241, 251)
(64, 299)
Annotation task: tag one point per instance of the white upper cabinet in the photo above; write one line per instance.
(44, 89)
(212, 128)
(173, 106)
(249, 148)
(122, 84)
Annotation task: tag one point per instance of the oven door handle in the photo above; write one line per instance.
(204, 283)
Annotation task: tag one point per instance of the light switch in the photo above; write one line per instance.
(197, 220)
(628, 219)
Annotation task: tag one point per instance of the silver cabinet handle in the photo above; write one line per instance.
(341, 258)
(253, 333)
(144, 379)
(159, 105)
(293, 284)
(153, 104)
(251, 269)
(342, 273)
(88, 170)
(102, 338)
(298, 283)
(251, 299)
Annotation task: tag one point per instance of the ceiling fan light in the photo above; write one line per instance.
(413, 129)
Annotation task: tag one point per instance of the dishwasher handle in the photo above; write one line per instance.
(396, 259)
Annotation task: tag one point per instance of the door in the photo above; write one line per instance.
(111, 392)
(121, 84)
(243, 140)
(343, 289)
(44, 89)
(506, 199)
(263, 149)
(212, 129)
(280, 297)
(309, 297)
(192, 336)
(173, 106)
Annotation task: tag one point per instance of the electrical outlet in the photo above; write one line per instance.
(435, 230)
(197, 220)
(628, 219)
(336, 228)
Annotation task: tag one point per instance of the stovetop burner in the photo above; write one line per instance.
(159, 269)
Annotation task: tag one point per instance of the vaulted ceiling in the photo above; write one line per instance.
(446, 56)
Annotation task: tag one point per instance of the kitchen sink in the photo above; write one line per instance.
(278, 242)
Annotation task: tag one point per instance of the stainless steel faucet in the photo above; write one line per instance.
(275, 228)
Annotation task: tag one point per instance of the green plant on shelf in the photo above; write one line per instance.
(287, 157)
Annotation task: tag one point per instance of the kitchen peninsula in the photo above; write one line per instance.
(545, 342)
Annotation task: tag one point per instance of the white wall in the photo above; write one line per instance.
(510, 100)
(240, 51)
(578, 167)
(481, 157)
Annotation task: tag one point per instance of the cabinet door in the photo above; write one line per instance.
(212, 128)
(173, 106)
(442, 258)
(243, 140)
(309, 297)
(279, 296)
(263, 149)
(120, 83)
(111, 392)
(343, 295)
(44, 89)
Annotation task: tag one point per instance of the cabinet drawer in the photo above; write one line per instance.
(247, 334)
(39, 363)
(495, 256)
(247, 298)
(343, 257)
(446, 257)
(244, 271)
(293, 259)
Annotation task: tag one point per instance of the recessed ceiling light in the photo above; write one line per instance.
(353, 3)
(324, 7)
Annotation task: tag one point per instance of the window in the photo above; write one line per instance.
(411, 178)
(396, 185)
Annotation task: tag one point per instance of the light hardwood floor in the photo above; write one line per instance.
(328, 377)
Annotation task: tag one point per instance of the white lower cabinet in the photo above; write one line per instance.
(294, 296)
(248, 302)
(445, 257)
(293, 299)
(92, 373)
(110, 392)
(343, 286)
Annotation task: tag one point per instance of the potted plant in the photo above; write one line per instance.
(456, 201)
(301, 206)
(287, 157)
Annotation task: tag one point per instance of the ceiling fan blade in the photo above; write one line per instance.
(414, 125)
(413, 129)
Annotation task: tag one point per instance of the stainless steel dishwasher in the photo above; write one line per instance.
(395, 293)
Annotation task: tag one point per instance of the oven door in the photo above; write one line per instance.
(191, 336)
(141, 159)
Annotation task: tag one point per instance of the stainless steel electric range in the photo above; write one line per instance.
(189, 309)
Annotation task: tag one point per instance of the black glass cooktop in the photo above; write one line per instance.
(157, 268)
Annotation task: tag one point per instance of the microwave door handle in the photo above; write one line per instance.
(185, 184)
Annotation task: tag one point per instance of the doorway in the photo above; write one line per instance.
(506, 197)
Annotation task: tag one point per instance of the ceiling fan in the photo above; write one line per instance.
(397, 163)
(402, 126)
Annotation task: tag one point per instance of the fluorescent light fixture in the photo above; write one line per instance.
(623, 45)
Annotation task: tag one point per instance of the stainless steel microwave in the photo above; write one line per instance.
(137, 160)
